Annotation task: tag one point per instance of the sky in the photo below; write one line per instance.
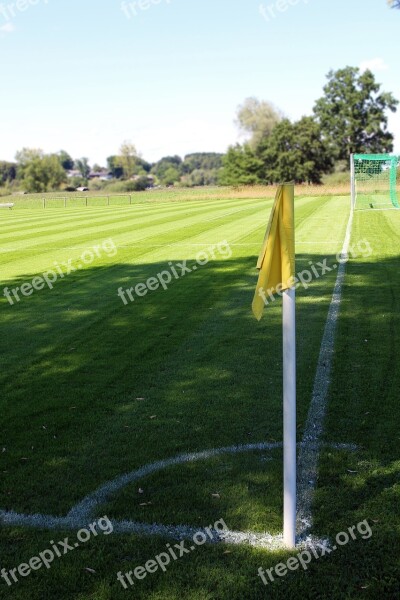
(168, 75)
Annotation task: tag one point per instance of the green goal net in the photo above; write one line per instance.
(374, 181)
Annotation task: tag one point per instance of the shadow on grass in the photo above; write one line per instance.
(77, 362)
(92, 388)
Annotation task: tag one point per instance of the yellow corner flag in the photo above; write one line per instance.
(277, 258)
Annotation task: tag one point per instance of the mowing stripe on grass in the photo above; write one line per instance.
(310, 448)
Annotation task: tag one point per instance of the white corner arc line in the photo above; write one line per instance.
(85, 509)
(82, 513)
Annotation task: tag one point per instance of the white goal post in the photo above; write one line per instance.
(374, 180)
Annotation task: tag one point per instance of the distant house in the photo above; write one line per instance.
(102, 175)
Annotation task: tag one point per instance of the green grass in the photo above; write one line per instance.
(92, 389)
(373, 200)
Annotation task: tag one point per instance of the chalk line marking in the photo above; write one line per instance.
(308, 458)
(81, 514)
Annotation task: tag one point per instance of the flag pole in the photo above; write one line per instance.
(276, 264)
(289, 417)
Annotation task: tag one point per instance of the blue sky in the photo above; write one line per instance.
(84, 75)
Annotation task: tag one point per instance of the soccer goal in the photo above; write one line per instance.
(374, 181)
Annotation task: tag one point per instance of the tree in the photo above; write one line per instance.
(241, 166)
(82, 165)
(201, 168)
(40, 172)
(201, 160)
(352, 113)
(168, 164)
(171, 176)
(128, 156)
(143, 165)
(67, 162)
(257, 118)
(24, 156)
(295, 152)
(139, 185)
(115, 167)
(8, 172)
(394, 3)
(200, 177)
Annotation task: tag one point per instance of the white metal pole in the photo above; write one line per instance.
(289, 417)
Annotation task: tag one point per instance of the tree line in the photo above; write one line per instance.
(37, 172)
(350, 117)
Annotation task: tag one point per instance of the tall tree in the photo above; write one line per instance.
(115, 167)
(82, 164)
(67, 162)
(128, 156)
(25, 155)
(257, 118)
(295, 152)
(353, 113)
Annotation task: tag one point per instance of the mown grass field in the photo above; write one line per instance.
(92, 388)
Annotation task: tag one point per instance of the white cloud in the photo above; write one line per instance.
(7, 28)
(375, 64)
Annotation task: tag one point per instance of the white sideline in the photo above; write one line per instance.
(309, 453)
